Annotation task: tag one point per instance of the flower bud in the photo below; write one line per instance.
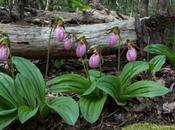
(59, 33)
(113, 39)
(4, 53)
(81, 49)
(131, 54)
(68, 43)
(94, 61)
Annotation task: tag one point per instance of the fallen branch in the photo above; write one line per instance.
(31, 41)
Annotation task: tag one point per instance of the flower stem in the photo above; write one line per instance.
(48, 54)
(11, 63)
(148, 40)
(86, 68)
(101, 59)
(119, 57)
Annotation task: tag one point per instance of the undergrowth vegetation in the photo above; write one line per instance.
(24, 93)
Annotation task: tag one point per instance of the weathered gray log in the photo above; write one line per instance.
(144, 8)
(31, 41)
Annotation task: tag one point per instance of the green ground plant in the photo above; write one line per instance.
(24, 97)
(160, 49)
(93, 92)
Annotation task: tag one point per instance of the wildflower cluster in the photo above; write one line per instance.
(81, 48)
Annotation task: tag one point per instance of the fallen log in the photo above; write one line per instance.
(32, 42)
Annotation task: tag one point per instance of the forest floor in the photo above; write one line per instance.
(159, 110)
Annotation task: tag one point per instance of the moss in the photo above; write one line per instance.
(147, 126)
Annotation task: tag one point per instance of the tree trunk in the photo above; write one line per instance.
(143, 13)
(48, 5)
(144, 8)
(162, 7)
(21, 5)
(41, 4)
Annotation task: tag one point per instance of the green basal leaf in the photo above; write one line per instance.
(91, 107)
(7, 115)
(5, 103)
(132, 69)
(7, 119)
(161, 49)
(25, 90)
(91, 89)
(66, 107)
(29, 70)
(4, 112)
(94, 75)
(44, 110)
(145, 89)
(25, 113)
(156, 64)
(112, 86)
(158, 49)
(68, 83)
(7, 89)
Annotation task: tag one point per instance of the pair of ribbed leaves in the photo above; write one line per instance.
(91, 100)
(161, 49)
(93, 94)
(23, 97)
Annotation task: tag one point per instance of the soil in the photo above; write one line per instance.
(113, 116)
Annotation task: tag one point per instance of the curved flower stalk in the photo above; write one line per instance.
(81, 50)
(113, 40)
(131, 54)
(57, 24)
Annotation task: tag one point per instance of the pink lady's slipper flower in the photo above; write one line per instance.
(59, 33)
(94, 60)
(113, 39)
(4, 53)
(81, 49)
(131, 54)
(68, 43)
